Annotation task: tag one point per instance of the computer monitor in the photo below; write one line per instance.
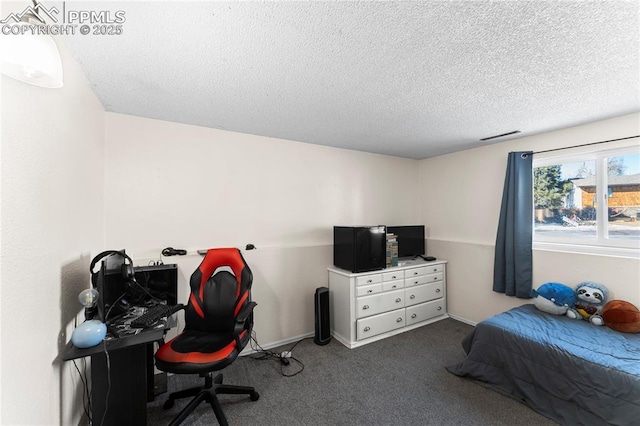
(411, 241)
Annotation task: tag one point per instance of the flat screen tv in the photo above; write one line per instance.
(411, 242)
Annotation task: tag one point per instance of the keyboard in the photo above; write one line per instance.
(153, 315)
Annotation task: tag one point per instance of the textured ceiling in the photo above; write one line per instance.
(410, 79)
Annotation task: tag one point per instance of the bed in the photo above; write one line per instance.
(570, 371)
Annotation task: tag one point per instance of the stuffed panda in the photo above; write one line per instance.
(591, 298)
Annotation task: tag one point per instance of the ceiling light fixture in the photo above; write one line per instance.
(28, 56)
(499, 136)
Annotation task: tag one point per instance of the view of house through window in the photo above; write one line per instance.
(589, 199)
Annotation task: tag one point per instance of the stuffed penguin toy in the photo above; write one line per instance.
(591, 298)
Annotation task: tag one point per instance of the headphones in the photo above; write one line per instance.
(127, 268)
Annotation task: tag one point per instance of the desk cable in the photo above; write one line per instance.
(286, 359)
(106, 316)
(106, 402)
(86, 396)
(147, 276)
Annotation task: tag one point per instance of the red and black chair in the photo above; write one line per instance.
(218, 324)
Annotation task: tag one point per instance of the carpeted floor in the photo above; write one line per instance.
(400, 380)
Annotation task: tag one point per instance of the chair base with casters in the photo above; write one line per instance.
(208, 393)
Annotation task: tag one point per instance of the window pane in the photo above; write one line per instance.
(564, 201)
(623, 195)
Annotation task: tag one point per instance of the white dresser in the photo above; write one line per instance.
(369, 306)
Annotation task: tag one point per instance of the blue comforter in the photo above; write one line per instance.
(568, 370)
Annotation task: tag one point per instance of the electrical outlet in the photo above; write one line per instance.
(285, 354)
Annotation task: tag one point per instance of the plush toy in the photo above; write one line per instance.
(553, 298)
(621, 316)
(591, 299)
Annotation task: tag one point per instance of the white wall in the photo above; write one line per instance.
(52, 217)
(461, 204)
(170, 184)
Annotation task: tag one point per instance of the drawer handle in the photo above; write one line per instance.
(435, 278)
(414, 315)
(365, 307)
(437, 290)
(394, 277)
(439, 308)
(369, 291)
(435, 269)
(399, 320)
(415, 273)
(369, 281)
(393, 286)
(416, 282)
(398, 300)
(413, 296)
(367, 328)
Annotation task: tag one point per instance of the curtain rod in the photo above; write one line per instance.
(586, 144)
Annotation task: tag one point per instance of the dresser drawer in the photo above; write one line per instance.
(365, 290)
(421, 279)
(379, 324)
(392, 285)
(435, 268)
(369, 279)
(423, 293)
(415, 272)
(392, 276)
(430, 278)
(378, 303)
(424, 311)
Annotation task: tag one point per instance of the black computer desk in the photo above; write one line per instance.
(123, 394)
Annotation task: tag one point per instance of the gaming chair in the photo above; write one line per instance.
(218, 324)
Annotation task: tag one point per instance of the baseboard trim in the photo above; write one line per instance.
(464, 320)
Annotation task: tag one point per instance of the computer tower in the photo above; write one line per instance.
(323, 325)
(360, 248)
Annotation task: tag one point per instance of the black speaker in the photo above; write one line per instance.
(323, 327)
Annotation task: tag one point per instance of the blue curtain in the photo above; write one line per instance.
(512, 269)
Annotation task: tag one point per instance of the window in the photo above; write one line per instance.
(590, 202)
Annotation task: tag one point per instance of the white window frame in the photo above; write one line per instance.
(601, 245)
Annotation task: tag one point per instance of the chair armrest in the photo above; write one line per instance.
(177, 308)
(242, 317)
(245, 312)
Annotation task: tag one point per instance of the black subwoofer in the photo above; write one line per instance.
(323, 326)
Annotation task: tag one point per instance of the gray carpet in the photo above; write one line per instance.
(396, 381)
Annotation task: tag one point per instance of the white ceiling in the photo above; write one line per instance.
(410, 79)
